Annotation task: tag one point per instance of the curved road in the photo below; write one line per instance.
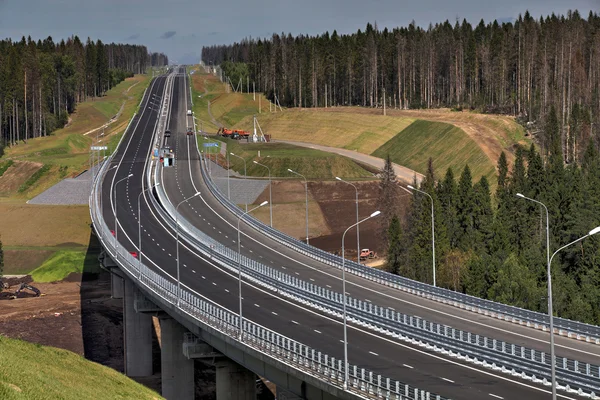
(366, 349)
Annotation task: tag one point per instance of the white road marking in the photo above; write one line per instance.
(274, 313)
(329, 286)
(311, 279)
(214, 284)
(496, 396)
(193, 271)
(316, 331)
(256, 305)
(375, 354)
(227, 290)
(407, 366)
(448, 380)
(295, 322)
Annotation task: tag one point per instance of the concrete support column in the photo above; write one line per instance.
(116, 285)
(137, 334)
(177, 370)
(234, 382)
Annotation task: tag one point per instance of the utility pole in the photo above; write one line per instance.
(384, 113)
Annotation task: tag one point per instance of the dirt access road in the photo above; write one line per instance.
(405, 175)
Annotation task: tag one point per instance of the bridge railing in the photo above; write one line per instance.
(519, 361)
(361, 382)
(562, 326)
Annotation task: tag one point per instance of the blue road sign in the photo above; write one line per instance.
(211, 145)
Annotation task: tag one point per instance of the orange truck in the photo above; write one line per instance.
(366, 253)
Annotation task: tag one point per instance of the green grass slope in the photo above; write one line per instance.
(314, 164)
(447, 145)
(33, 372)
(62, 263)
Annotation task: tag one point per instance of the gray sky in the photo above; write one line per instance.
(180, 28)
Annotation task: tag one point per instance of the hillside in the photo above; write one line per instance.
(30, 372)
(447, 145)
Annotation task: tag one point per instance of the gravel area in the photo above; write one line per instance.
(70, 191)
(243, 191)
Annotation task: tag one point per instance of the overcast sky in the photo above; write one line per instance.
(180, 28)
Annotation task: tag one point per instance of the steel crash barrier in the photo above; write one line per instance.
(562, 326)
(206, 313)
(498, 355)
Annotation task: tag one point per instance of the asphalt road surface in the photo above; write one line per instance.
(379, 354)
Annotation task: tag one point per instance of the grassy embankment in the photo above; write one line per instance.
(30, 371)
(408, 137)
(56, 238)
(422, 139)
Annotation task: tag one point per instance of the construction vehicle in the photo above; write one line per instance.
(27, 286)
(233, 133)
(366, 253)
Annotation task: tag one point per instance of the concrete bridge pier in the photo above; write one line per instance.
(234, 382)
(137, 334)
(177, 370)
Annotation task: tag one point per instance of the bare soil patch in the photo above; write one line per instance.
(16, 175)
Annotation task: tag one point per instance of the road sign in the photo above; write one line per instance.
(98, 148)
(211, 144)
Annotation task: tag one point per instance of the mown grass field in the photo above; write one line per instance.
(31, 234)
(31, 372)
(448, 146)
(314, 164)
(363, 133)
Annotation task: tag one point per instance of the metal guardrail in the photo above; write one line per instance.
(362, 382)
(498, 355)
(562, 326)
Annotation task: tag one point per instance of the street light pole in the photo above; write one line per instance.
(270, 193)
(552, 361)
(549, 277)
(140, 228)
(376, 213)
(306, 185)
(116, 208)
(432, 227)
(177, 243)
(241, 158)
(357, 230)
(240, 263)
(228, 187)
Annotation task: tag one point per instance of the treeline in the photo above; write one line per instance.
(521, 68)
(42, 82)
(494, 247)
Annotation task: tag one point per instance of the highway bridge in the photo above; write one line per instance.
(400, 345)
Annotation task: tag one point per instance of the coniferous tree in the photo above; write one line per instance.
(395, 251)
(387, 202)
(466, 210)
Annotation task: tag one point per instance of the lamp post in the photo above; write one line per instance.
(432, 227)
(241, 158)
(306, 186)
(228, 187)
(116, 208)
(270, 193)
(357, 230)
(552, 361)
(240, 262)
(177, 243)
(376, 213)
(549, 278)
(140, 227)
